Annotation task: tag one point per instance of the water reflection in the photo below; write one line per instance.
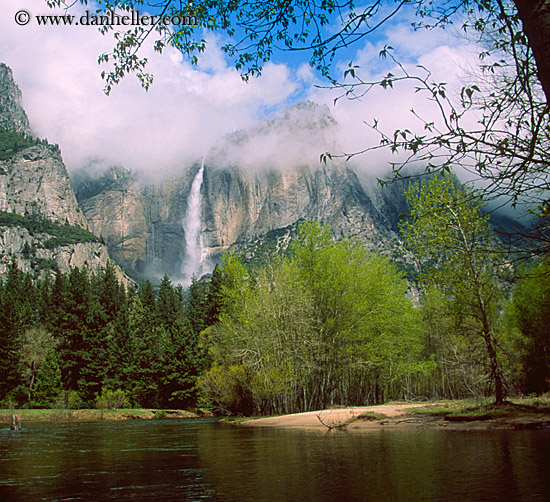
(201, 460)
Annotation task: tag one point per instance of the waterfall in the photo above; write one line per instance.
(196, 260)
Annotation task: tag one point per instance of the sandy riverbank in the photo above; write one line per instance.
(399, 416)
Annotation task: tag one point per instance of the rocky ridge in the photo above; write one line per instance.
(12, 115)
(34, 184)
(35, 181)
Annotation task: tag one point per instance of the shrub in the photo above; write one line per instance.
(12, 142)
(61, 235)
(69, 400)
(227, 389)
(111, 399)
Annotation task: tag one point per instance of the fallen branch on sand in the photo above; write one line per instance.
(339, 425)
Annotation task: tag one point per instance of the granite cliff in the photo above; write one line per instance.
(41, 223)
(254, 182)
(35, 181)
(12, 115)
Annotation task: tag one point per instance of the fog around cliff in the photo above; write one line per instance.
(296, 137)
(190, 110)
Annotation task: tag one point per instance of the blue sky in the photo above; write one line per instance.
(189, 108)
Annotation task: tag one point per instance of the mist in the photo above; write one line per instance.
(193, 111)
(294, 138)
(160, 132)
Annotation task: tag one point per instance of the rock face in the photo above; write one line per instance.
(32, 254)
(240, 206)
(142, 225)
(34, 181)
(247, 191)
(12, 116)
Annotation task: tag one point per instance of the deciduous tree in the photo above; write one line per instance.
(458, 255)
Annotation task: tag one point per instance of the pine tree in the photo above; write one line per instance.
(11, 330)
(214, 296)
(120, 350)
(111, 294)
(531, 314)
(196, 308)
(169, 304)
(149, 348)
(48, 382)
(70, 304)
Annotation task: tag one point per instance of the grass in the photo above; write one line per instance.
(63, 415)
(484, 409)
(371, 416)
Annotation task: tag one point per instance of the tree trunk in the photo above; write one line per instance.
(490, 343)
(535, 16)
(496, 375)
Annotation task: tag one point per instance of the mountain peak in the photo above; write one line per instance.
(294, 138)
(306, 115)
(12, 116)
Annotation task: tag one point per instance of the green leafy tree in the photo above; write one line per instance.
(257, 29)
(331, 325)
(459, 256)
(36, 343)
(364, 318)
(263, 353)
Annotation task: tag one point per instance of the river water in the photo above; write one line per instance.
(181, 460)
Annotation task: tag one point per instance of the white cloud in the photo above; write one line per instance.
(176, 121)
(189, 108)
(447, 57)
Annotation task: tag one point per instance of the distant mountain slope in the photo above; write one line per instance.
(256, 185)
(255, 181)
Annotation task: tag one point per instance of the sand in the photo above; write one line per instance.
(335, 418)
(397, 416)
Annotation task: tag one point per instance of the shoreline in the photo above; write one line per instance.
(91, 415)
(450, 415)
(404, 416)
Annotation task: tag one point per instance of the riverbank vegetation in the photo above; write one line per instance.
(91, 414)
(84, 341)
(327, 324)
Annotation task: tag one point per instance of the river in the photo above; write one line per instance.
(188, 460)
